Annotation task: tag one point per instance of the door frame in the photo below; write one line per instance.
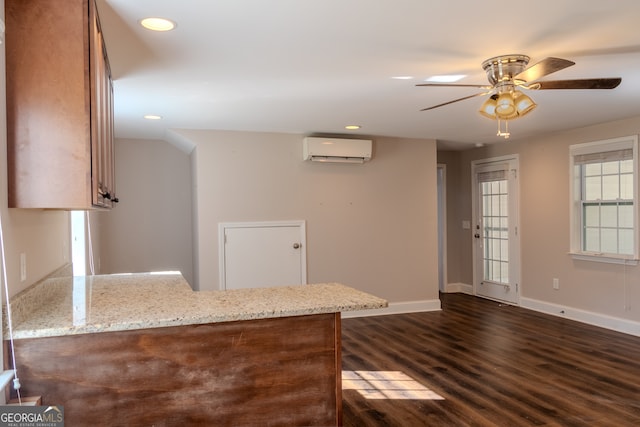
(223, 226)
(442, 226)
(515, 251)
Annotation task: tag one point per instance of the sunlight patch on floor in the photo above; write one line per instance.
(386, 385)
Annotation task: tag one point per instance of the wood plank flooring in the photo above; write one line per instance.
(494, 365)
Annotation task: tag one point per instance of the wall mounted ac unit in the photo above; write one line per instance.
(336, 150)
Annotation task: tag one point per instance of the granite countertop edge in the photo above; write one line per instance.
(143, 301)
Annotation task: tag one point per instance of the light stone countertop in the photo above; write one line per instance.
(67, 306)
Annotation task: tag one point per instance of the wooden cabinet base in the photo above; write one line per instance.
(282, 371)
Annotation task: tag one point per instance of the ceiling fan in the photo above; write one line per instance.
(508, 74)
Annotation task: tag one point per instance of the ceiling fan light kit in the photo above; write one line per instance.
(505, 107)
(488, 108)
(524, 104)
(509, 105)
(508, 73)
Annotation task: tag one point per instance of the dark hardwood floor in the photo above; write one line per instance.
(493, 365)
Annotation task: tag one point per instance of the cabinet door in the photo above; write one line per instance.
(59, 106)
(102, 161)
(48, 104)
(255, 255)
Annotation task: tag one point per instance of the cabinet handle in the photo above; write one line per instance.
(106, 195)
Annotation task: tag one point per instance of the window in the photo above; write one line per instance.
(604, 200)
(495, 225)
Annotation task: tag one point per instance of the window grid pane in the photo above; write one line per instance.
(607, 207)
(592, 188)
(626, 186)
(495, 231)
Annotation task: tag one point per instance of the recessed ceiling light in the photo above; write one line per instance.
(352, 127)
(449, 78)
(402, 77)
(152, 117)
(158, 24)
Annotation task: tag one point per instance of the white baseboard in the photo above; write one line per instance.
(596, 319)
(459, 287)
(397, 308)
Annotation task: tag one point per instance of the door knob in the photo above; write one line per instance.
(296, 246)
(477, 236)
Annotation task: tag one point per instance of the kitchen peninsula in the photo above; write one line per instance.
(145, 349)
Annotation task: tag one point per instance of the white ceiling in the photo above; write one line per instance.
(314, 66)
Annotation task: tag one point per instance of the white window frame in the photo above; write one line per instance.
(627, 142)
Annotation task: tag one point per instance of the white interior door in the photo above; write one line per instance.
(496, 237)
(263, 254)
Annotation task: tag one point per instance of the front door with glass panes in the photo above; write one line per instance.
(496, 272)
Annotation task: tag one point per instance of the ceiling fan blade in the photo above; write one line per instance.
(603, 83)
(543, 68)
(454, 85)
(456, 100)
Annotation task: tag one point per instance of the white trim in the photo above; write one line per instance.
(463, 288)
(575, 213)
(288, 223)
(491, 160)
(621, 143)
(596, 319)
(222, 226)
(442, 226)
(606, 258)
(397, 308)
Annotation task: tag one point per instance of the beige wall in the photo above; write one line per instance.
(609, 290)
(42, 236)
(371, 226)
(150, 229)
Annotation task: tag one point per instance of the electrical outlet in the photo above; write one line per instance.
(556, 283)
(23, 267)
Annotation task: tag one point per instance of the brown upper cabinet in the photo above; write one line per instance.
(60, 151)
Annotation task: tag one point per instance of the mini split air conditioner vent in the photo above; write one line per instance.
(336, 150)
